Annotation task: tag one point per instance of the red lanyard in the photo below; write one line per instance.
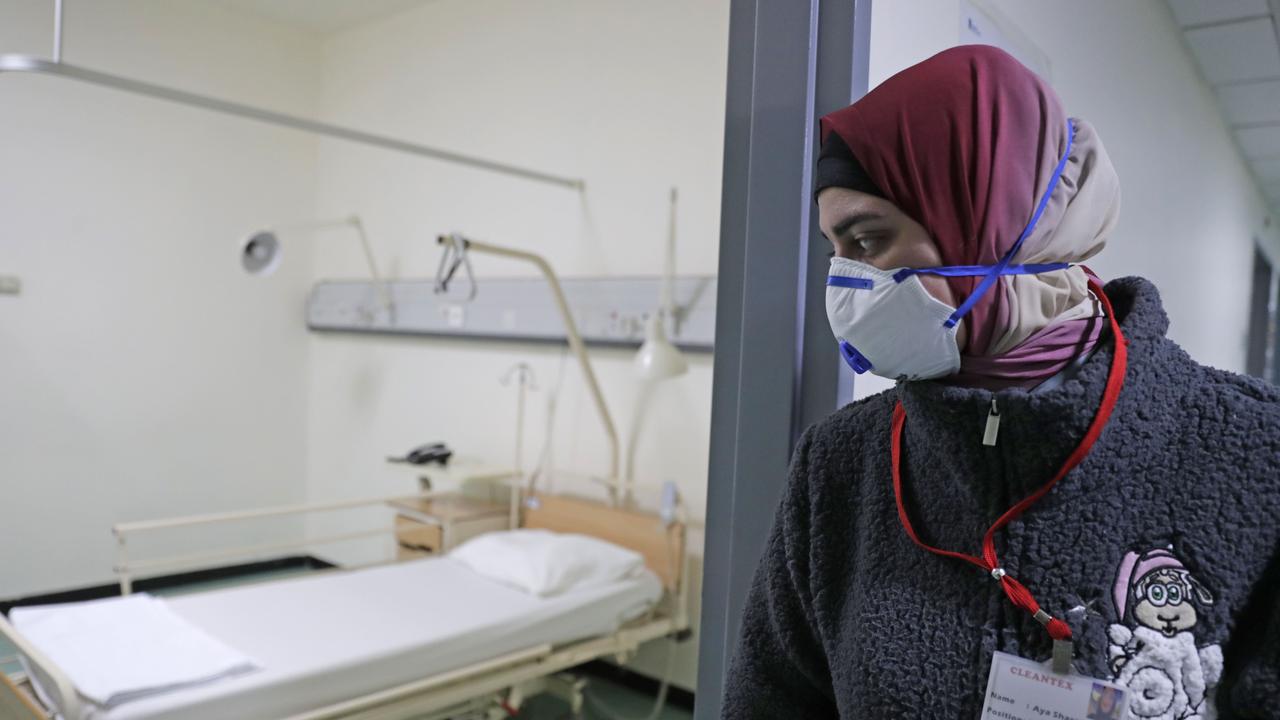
(989, 562)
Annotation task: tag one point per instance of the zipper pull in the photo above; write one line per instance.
(993, 425)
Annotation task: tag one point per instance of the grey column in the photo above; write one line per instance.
(776, 366)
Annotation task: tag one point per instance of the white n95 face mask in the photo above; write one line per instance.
(890, 326)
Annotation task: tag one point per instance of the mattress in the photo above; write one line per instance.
(337, 636)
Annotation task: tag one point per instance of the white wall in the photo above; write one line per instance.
(1190, 209)
(629, 96)
(142, 374)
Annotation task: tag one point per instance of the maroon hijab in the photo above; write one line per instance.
(963, 143)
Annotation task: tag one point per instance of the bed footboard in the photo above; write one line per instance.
(16, 703)
(52, 680)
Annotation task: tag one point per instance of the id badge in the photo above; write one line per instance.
(1021, 689)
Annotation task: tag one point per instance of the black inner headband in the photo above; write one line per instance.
(837, 167)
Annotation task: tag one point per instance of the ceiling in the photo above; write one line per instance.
(323, 16)
(1237, 44)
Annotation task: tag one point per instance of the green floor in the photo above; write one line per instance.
(8, 650)
(626, 703)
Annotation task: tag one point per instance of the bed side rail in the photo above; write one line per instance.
(126, 569)
(449, 689)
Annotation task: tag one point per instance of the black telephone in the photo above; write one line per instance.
(431, 453)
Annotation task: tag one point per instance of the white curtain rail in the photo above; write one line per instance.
(43, 66)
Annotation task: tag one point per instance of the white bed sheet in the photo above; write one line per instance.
(337, 636)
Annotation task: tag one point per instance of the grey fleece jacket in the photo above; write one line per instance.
(1161, 550)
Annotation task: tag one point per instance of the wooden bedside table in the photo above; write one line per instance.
(439, 524)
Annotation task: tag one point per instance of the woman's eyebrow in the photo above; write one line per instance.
(843, 226)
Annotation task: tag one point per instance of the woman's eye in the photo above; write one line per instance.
(1156, 594)
(868, 244)
(861, 245)
(1175, 595)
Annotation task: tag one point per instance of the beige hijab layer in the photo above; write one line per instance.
(1080, 215)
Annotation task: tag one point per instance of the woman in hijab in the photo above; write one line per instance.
(1051, 478)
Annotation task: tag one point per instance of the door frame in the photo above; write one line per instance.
(776, 369)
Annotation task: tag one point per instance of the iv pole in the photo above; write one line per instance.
(54, 66)
(525, 382)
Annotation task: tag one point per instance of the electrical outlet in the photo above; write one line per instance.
(10, 285)
(454, 316)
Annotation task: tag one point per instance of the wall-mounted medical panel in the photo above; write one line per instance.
(609, 311)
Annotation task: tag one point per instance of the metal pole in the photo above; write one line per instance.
(519, 466)
(58, 31)
(647, 389)
(524, 377)
(42, 66)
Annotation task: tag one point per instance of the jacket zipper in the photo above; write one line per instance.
(993, 425)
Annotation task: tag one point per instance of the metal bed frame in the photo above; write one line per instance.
(523, 672)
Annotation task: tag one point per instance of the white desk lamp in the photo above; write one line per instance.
(262, 251)
(456, 255)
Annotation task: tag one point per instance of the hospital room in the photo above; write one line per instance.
(605, 360)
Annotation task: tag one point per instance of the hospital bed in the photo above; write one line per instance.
(414, 639)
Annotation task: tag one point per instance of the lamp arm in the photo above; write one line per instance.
(633, 441)
(383, 287)
(384, 290)
(575, 344)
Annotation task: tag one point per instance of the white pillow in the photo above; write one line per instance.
(545, 563)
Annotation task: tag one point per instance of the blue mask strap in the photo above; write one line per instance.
(856, 360)
(850, 282)
(947, 271)
(1001, 268)
(972, 270)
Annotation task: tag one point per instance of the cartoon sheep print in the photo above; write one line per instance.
(1152, 648)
